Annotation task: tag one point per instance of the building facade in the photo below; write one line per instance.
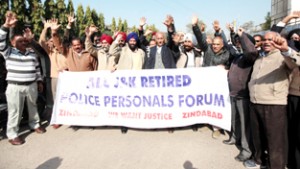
(281, 8)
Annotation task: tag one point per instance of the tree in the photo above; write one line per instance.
(248, 26)
(61, 13)
(88, 16)
(134, 29)
(267, 24)
(4, 7)
(125, 26)
(80, 22)
(120, 25)
(19, 7)
(70, 7)
(101, 22)
(151, 27)
(95, 17)
(113, 25)
(50, 9)
(36, 20)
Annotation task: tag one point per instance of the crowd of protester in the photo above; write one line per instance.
(263, 76)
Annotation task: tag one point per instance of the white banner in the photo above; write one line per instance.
(144, 98)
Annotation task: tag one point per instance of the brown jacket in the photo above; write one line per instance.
(75, 62)
(58, 61)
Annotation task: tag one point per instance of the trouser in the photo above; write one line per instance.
(269, 130)
(293, 131)
(16, 95)
(240, 124)
(53, 87)
(49, 93)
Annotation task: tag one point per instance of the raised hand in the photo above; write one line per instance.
(240, 31)
(54, 26)
(11, 19)
(216, 26)
(115, 34)
(90, 30)
(118, 38)
(143, 21)
(280, 43)
(230, 27)
(47, 24)
(169, 21)
(71, 18)
(195, 20)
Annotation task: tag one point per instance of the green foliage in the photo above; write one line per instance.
(50, 9)
(134, 29)
(113, 25)
(34, 11)
(80, 22)
(19, 7)
(125, 26)
(3, 9)
(101, 22)
(61, 13)
(36, 20)
(88, 16)
(70, 7)
(120, 25)
(151, 27)
(267, 24)
(95, 18)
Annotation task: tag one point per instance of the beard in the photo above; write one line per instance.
(132, 47)
(105, 49)
(188, 48)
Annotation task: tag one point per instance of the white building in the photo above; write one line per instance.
(281, 8)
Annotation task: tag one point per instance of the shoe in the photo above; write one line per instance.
(241, 158)
(40, 130)
(229, 141)
(216, 134)
(252, 164)
(56, 126)
(124, 130)
(170, 130)
(16, 141)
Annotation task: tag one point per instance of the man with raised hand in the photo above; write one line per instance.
(24, 80)
(268, 87)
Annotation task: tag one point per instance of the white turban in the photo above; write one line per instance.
(190, 37)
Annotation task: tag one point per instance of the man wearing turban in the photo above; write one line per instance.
(105, 56)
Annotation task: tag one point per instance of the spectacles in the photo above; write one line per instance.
(257, 40)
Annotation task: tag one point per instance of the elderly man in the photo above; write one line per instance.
(215, 54)
(106, 61)
(24, 78)
(268, 89)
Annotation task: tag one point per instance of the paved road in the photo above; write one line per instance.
(107, 148)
